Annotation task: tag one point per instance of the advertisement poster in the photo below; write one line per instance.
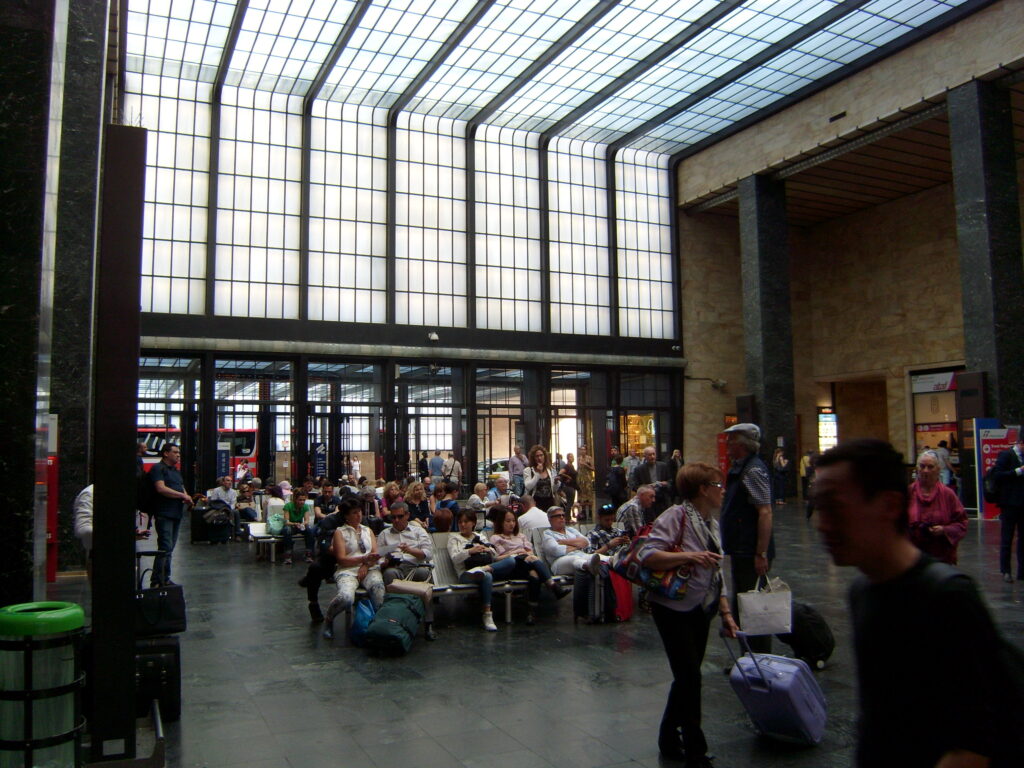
(992, 439)
(319, 459)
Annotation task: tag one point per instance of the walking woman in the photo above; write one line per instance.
(684, 623)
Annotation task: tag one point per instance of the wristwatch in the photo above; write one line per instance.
(763, 554)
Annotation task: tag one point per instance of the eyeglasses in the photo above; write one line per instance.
(554, 516)
(715, 485)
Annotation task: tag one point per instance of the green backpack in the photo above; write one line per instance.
(275, 523)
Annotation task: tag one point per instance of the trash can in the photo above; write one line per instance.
(40, 685)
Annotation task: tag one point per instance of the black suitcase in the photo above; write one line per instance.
(811, 638)
(197, 531)
(593, 605)
(158, 676)
(218, 533)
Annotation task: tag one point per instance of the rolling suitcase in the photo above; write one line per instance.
(780, 694)
(158, 676)
(594, 603)
(811, 638)
(395, 624)
(623, 591)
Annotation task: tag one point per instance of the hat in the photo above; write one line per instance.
(554, 508)
(284, 485)
(750, 430)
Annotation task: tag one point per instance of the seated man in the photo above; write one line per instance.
(631, 515)
(605, 540)
(229, 496)
(323, 567)
(496, 494)
(564, 548)
(326, 503)
(404, 549)
(530, 516)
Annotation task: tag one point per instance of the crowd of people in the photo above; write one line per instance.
(909, 607)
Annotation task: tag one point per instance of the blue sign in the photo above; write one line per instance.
(319, 459)
(224, 459)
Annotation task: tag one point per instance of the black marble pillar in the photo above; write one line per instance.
(988, 235)
(29, 34)
(71, 381)
(767, 321)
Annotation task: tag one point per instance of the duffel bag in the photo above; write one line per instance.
(395, 624)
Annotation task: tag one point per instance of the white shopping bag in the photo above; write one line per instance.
(767, 611)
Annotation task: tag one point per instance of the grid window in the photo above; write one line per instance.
(508, 276)
(430, 235)
(177, 116)
(257, 273)
(580, 298)
(348, 214)
(644, 246)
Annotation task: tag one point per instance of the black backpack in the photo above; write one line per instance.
(990, 488)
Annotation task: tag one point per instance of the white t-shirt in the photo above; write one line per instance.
(535, 518)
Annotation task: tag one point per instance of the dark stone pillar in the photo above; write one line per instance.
(71, 384)
(767, 322)
(988, 233)
(30, 34)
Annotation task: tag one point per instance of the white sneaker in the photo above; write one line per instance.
(489, 624)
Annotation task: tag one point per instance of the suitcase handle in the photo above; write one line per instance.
(742, 637)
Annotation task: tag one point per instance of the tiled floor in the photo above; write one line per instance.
(262, 688)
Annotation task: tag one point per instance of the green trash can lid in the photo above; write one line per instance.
(47, 618)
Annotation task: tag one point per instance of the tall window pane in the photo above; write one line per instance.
(508, 277)
(579, 238)
(645, 245)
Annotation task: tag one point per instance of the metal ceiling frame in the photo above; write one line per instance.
(214, 167)
(950, 17)
(442, 53)
(306, 148)
(553, 51)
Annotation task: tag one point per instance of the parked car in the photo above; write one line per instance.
(492, 470)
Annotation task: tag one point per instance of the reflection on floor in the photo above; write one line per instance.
(262, 688)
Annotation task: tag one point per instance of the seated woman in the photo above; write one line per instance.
(937, 518)
(355, 551)
(295, 521)
(509, 543)
(419, 507)
(475, 562)
(445, 508)
(392, 494)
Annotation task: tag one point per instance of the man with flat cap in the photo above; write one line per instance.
(746, 518)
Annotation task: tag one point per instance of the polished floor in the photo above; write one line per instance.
(261, 688)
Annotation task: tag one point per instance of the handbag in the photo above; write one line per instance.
(767, 610)
(478, 559)
(159, 610)
(671, 584)
(362, 615)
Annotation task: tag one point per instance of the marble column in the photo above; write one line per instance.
(31, 71)
(71, 383)
(988, 235)
(767, 320)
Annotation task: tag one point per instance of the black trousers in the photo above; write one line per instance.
(685, 637)
(1011, 520)
(744, 579)
(315, 575)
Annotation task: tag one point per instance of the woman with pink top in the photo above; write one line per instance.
(509, 542)
(937, 518)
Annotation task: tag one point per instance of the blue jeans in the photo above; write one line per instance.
(500, 570)
(518, 485)
(166, 537)
(289, 532)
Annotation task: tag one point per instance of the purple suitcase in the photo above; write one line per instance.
(780, 694)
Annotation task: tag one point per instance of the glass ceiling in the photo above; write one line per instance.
(695, 67)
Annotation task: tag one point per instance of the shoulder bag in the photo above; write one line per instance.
(671, 584)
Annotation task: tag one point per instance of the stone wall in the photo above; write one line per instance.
(712, 328)
(875, 294)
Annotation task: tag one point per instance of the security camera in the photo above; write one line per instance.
(432, 336)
